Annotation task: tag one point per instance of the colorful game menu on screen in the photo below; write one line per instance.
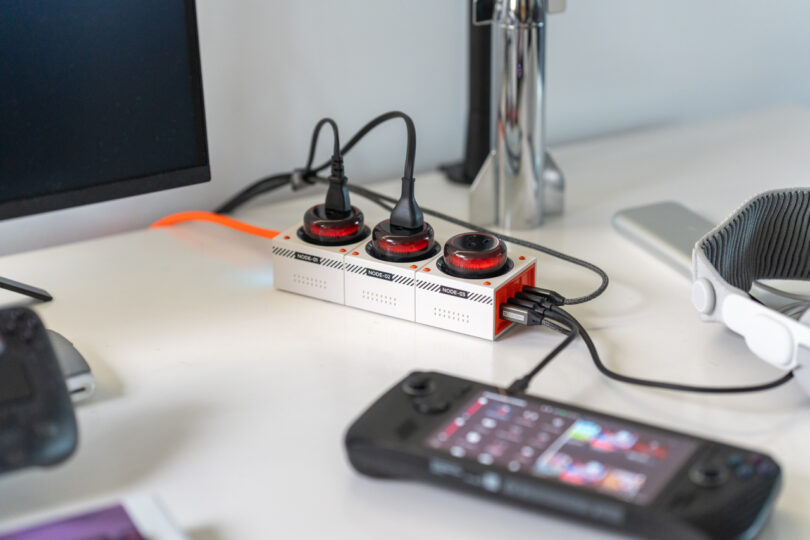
(530, 437)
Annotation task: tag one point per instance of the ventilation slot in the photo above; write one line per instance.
(307, 281)
(378, 298)
(450, 315)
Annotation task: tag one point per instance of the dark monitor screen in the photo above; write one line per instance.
(99, 99)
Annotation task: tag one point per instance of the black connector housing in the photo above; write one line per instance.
(407, 214)
(552, 297)
(337, 204)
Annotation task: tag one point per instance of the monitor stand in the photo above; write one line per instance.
(26, 290)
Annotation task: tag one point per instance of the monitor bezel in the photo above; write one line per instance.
(137, 185)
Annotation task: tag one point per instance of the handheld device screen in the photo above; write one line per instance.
(625, 461)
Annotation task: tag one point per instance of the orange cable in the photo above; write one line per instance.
(219, 219)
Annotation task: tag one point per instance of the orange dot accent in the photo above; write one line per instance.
(343, 250)
(286, 238)
(425, 269)
(522, 258)
(355, 253)
(413, 266)
(487, 283)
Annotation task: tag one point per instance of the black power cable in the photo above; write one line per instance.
(517, 310)
(377, 197)
(254, 190)
(663, 384)
(271, 183)
(410, 150)
(522, 384)
(548, 312)
(337, 204)
(309, 174)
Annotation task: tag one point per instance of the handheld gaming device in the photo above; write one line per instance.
(37, 424)
(545, 455)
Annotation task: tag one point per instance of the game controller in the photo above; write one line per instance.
(544, 455)
(36, 412)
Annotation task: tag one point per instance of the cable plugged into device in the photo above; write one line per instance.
(534, 306)
(335, 222)
(308, 258)
(406, 213)
(520, 314)
(405, 236)
(512, 296)
(337, 203)
(400, 271)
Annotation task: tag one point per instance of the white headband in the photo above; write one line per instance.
(768, 237)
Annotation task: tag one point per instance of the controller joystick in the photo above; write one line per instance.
(474, 255)
(328, 228)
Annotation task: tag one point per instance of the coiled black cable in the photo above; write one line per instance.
(271, 183)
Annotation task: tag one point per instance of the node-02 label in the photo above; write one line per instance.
(379, 275)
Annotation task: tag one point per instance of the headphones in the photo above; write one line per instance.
(768, 237)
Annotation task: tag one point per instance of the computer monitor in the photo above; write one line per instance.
(99, 99)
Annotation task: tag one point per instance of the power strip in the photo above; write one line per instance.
(416, 291)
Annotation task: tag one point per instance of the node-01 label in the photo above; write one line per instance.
(307, 257)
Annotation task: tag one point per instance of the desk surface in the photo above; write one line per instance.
(229, 399)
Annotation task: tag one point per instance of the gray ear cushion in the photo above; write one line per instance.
(768, 238)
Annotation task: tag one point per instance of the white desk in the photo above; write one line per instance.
(229, 399)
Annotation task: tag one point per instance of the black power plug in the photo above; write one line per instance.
(405, 236)
(406, 215)
(337, 204)
(336, 222)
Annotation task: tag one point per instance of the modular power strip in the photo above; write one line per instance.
(416, 291)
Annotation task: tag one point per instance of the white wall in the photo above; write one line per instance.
(273, 68)
(620, 64)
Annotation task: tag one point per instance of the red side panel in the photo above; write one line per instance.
(507, 291)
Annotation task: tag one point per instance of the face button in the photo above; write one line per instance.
(766, 469)
(708, 474)
(29, 331)
(744, 472)
(10, 324)
(734, 460)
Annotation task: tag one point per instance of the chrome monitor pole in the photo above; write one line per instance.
(519, 183)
